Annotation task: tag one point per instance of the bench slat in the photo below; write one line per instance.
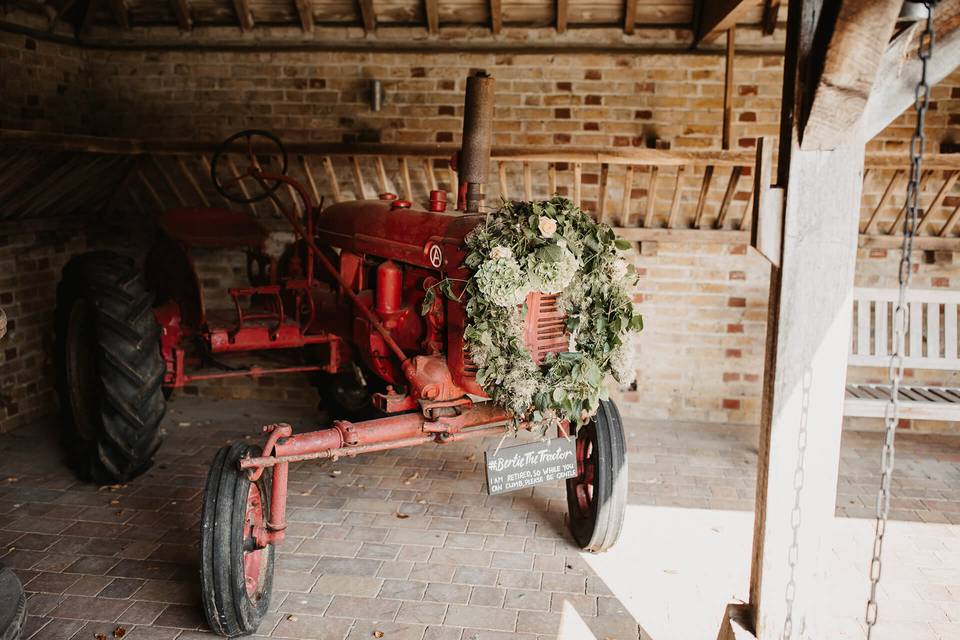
(929, 407)
(933, 330)
(863, 327)
(880, 329)
(915, 330)
(950, 331)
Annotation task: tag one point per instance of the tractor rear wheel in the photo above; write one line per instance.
(236, 577)
(109, 368)
(597, 496)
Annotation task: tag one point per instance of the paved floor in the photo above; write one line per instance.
(461, 565)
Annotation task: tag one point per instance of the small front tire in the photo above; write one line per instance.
(236, 578)
(597, 496)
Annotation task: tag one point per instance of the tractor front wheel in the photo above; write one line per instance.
(109, 368)
(597, 496)
(236, 576)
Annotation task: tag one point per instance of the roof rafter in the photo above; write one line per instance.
(182, 11)
(368, 15)
(121, 14)
(432, 9)
(771, 13)
(305, 11)
(496, 16)
(629, 15)
(716, 16)
(563, 13)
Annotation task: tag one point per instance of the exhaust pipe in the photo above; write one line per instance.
(474, 160)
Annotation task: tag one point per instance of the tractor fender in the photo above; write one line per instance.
(172, 277)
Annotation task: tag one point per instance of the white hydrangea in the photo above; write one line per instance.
(503, 282)
(622, 364)
(555, 274)
(618, 269)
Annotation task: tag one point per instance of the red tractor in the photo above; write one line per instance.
(347, 297)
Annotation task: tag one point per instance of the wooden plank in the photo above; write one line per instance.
(728, 87)
(358, 181)
(55, 10)
(915, 330)
(496, 16)
(898, 221)
(527, 182)
(627, 196)
(552, 178)
(332, 177)
(305, 11)
(161, 206)
(702, 200)
(432, 11)
(880, 334)
(181, 10)
(675, 202)
(899, 69)
(190, 178)
(863, 327)
(682, 236)
(244, 14)
(89, 18)
(651, 198)
(717, 16)
(168, 181)
(920, 243)
(950, 222)
(629, 16)
(859, 39)
(728, 196)
(207, 171)
(405, 174)
(933, 329)
(563, 13)
(308, 172)
(577, 182)
(949, 180)
(602, 198)
(430, 176)
(894, 183)
(121, 14)
(368, 15)
(908, 410)
(382, 175)
(502, 175)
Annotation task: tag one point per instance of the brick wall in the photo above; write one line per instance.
(705, 305)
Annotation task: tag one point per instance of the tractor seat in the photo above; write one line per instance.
(213, 228)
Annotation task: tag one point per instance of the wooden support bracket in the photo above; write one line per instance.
(766, 230)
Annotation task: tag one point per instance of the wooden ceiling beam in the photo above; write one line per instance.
(182, 11)
(496, 16)
(629, 15)
(367, 15)
(893, 91)
(432, 10)
(121, 15)
(563, 13)
(716, 16)
(244, 14)
(56, 10)
(305, 11)
(861, 33)
(89, 18)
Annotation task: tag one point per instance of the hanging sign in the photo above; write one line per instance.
(526, 465)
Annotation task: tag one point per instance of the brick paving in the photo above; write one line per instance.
(461, 564)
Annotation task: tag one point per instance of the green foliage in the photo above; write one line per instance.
(553, 247)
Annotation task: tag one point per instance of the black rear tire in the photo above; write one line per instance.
(597, 497)
(235, 585)
(109, 368)
(13, 605)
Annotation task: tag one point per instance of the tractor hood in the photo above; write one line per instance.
(379, 228)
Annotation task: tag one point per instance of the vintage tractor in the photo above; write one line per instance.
(348, 294)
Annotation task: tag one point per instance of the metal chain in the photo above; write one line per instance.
(793, 554)
(900, 317)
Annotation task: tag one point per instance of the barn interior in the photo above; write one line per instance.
(755, 153)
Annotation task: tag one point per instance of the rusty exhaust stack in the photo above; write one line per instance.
(474, 160)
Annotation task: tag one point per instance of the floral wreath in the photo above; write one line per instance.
(550, 247)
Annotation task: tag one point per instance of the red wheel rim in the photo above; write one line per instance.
(253, 560)
(586, 470)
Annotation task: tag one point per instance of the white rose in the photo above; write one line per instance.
(501, 251)
(619, 269)
(547, 226)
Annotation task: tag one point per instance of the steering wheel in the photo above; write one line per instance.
(263, 156)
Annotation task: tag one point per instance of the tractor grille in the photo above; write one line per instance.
(546, 327)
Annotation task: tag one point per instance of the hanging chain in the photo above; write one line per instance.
(900, 317)
(793, 554)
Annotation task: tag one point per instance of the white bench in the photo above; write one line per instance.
(930, 343)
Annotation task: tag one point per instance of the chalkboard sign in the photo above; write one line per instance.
(527, 465)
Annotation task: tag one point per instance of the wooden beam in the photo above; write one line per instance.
(728, 87)
(121, 15)
(629, 15)
(367, 15)
(771, 11)
(432, 10)
(859, 39)
(893, 91)
(563, 12)
(57, 10)
(89, 18)
(496, 16)
(244, 15)
(182, 11)
(717, 16)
